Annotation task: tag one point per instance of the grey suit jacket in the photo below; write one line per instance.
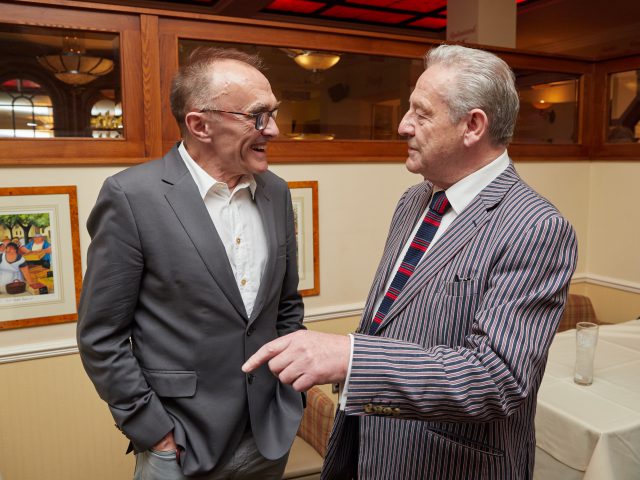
(447, 387)
(162, 328)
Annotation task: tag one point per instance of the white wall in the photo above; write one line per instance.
(355, 206)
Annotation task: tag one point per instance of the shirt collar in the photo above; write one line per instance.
(206, 182)
(461, 194)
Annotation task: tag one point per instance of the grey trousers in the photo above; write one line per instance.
(246, 464)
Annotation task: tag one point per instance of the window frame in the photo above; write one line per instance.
(86, 150)
(277, 34)
(601, 148)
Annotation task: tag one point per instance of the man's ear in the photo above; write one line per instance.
(197, 126)
(477, 126)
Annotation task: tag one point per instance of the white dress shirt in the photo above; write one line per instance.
(459, 195)
(239, 225)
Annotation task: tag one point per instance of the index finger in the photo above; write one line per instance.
(265, 353)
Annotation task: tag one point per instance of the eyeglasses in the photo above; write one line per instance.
(262, 118)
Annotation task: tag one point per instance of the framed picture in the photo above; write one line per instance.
(40, 273)
(304, 196)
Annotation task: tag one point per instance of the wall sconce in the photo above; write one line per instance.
(545, 110)
(72, 66)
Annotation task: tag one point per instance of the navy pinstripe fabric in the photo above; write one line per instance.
(462, 350)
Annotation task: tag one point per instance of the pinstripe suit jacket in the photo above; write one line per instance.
(447, 387)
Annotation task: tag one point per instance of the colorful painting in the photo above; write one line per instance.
(39, 256)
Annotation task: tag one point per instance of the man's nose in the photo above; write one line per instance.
(405, 129)
(271, 130)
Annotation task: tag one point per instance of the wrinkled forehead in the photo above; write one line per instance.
(434, 82)
(241, 85)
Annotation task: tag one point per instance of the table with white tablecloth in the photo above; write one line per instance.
(591, 432)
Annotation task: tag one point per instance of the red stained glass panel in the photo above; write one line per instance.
(430, 22)
(365, 15)
(25, 84)
(421, 6)
(295, 6)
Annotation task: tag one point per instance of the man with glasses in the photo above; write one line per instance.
(191, 269)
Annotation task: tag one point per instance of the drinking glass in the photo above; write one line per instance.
(586, 341)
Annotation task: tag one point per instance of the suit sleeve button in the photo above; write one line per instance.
(396, 412)
(387, 410)
(368, 408)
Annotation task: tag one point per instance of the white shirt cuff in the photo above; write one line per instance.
(344, 387)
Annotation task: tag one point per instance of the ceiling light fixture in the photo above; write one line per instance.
(72, 66)
(313, 60)
(542, 105)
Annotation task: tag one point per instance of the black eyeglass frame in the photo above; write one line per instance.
(262, 118)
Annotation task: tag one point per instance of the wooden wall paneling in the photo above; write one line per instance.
(77, 151)
(151, 88)
(169, 48)
(600, 111)
(587, 109)
(143, 61)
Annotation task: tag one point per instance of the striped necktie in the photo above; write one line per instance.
(419, 245)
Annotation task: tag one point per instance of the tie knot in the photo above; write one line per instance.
(439, 202)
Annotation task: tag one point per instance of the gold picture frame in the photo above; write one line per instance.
(304, 197)
(42, 256)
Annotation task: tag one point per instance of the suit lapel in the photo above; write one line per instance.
(263, 202)
(192, 214)
(463, 229)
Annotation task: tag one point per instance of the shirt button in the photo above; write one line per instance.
(238, 241)
(243, 282)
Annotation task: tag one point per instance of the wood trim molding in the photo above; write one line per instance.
(149, 53)
(151, 85)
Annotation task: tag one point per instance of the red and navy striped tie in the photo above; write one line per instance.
(419, 245)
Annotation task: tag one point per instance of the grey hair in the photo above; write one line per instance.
(482, 80)
(191, 85)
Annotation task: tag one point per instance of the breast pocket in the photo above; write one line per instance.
(460, 287)
(456, 303)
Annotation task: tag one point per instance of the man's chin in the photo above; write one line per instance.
(412, 165)
(257, 168)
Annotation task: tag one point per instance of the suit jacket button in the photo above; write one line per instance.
(250, 331)
(368, 408)
(250, 378)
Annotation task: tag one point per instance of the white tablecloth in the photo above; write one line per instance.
(591, 432)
